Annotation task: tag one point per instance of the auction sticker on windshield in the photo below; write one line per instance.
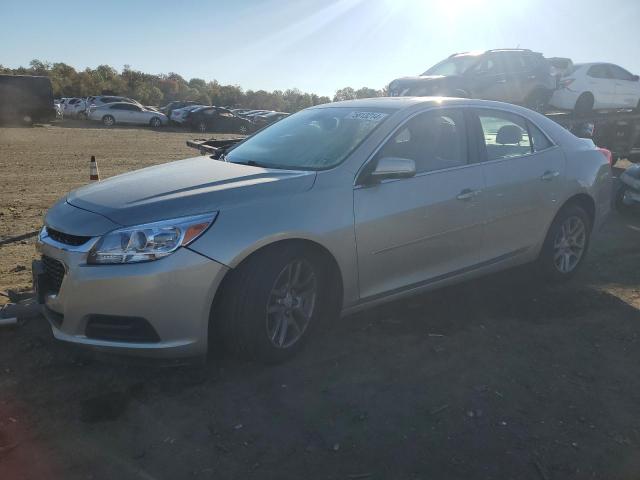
(369, 116)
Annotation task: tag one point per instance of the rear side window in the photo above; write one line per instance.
(435, 140)
(538, 139)
(599, 71)
(620, 73)
(505, 135)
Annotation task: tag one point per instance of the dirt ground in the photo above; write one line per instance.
(497, 378)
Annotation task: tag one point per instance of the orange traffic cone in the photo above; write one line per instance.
(94, 174)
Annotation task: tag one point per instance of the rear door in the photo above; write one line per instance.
(425, 228)
(524, 174)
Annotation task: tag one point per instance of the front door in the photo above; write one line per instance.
(627, 87)
(421, 229)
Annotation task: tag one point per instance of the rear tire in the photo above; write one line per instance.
(566, 244)
(584, 104)
(264, 318)
(537, 101)
(108, 121)
(201, 126)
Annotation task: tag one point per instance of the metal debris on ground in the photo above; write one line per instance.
(437, 410)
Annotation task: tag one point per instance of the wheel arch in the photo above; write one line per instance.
(585, 201)
(586, 93)
(336, 277)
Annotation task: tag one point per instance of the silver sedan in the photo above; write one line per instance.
(336, 208)
(128, 113)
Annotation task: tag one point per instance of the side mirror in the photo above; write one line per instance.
(393, 167)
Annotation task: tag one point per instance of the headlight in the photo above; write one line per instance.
(150, 241)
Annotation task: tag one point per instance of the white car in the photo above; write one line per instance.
(125, 112)
(589, 86)
(180, 115)
(69, 106)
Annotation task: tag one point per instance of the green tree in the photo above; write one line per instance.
(346, 93)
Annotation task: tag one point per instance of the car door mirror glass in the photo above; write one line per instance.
(393, 167)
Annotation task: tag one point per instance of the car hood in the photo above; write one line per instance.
(185, 187)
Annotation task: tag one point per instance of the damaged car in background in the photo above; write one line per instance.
(517, 76)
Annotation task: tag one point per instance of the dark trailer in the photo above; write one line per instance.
(26, 98)
(617, 131)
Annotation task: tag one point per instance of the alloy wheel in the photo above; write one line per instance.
(292, 303)
(569, 244)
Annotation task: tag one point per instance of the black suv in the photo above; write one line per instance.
(516, 76)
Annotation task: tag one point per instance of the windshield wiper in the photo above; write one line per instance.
(253, 163)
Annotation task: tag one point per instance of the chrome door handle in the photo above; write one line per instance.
(501, 81)
(467, 194)
(549, 175)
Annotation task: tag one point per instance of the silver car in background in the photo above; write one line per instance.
(333, 209)
(127, 113)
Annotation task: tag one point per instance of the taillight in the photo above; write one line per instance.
(565, 82)
(607, 154)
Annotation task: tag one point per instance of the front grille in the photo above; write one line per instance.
(54, 272)
(67, 239)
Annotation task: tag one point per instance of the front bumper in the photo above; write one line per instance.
(173, 294)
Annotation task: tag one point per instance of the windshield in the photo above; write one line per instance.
(453, 66)
(313, 139)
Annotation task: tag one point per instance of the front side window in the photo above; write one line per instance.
(620, 73)
(505, 135)
(312, 139)
(434, 140)
(538, 139)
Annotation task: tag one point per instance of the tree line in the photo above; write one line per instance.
(160, 89)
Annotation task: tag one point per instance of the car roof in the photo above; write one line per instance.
(384, 102)
(402, 103)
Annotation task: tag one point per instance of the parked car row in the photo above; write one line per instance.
(113, 109)
(205, 118)
(524, 77)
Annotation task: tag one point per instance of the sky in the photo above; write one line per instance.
(317, 46)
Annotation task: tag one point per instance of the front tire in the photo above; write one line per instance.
(201, 126)
(272, 303)
(155, 122)
(566, 244)
(108, 121)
